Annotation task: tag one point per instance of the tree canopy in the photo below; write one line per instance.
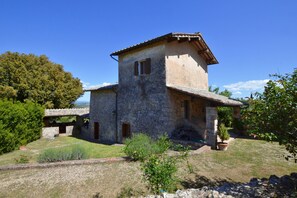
(35, 78)
(273, 114)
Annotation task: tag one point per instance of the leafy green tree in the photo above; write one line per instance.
(30, 77)
(273, 114)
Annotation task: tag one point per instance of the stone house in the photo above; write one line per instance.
(162, 88)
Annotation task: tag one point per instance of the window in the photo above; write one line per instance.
(142, 67)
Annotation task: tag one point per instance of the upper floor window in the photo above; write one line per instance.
(142, 67)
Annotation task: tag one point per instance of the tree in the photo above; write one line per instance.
(225, 114)
(30, 77)
(273, 114)
(20, 123)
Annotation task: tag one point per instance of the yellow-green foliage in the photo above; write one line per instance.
(36, 78)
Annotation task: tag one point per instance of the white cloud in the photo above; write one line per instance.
(237, 93)
(85, 84)
(251, 85)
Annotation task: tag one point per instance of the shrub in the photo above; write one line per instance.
(223, 133)
(141, 146)
(23, 159)
(163, 144)
(20, 123)
(158, 168)
(159, 172)
(62, 154)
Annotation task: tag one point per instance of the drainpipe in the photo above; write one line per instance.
(116, 114)
(116, 118)
(114, 58)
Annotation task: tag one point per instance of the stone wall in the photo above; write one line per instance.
(197, 118)
(103, 111)
(184, 67)
(142, 100)
(211, 126)
(51, 132)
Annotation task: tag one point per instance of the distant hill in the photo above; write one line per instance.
(81, 104)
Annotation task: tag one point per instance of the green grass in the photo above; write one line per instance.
(94, 150)
(243, 160)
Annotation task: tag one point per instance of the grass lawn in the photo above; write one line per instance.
(243, 160)
(94, 150)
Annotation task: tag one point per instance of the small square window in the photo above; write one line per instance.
(142, 67)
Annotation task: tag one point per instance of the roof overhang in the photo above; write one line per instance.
(101, 88)
(219, 100)
(195, 39)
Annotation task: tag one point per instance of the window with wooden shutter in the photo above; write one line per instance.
(136, 68)
(142, 67)
(147, 68)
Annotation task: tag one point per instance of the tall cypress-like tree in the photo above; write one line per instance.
(36, 78)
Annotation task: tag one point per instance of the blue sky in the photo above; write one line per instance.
(251, 39)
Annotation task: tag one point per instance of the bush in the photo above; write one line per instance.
(62, 154)
(158, 168)
(23, 159)
(20, 123)
(141, 146)
(159, 172)
(223, 133)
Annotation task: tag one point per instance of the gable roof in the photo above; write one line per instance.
(194, 38)
(219, 99)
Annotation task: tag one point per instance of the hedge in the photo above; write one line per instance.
(20, 123)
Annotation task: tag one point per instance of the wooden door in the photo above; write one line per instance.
(126, 132)
(96, 130)
(62, 128)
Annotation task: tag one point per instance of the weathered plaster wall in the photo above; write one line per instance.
(142, 100)
(184, 67)
(103, 111)
(197, 118)
(211, 126)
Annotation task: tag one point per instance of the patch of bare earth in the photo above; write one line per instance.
(71, 181)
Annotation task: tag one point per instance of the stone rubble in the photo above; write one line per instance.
(285, 187)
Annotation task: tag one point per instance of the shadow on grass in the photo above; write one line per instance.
(81, 137)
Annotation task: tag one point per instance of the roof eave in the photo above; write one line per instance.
(210, 59)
